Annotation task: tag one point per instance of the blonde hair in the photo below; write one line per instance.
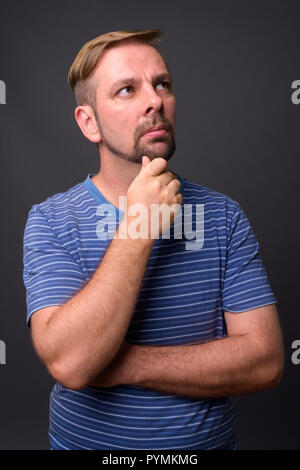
(88, 56)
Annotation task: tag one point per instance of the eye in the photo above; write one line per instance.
(166, 85)
(125, 88)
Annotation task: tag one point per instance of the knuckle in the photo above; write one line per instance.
(159, 162)
(156, 185)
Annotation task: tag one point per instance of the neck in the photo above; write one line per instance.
(115, 177)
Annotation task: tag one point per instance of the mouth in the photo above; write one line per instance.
(156, 132)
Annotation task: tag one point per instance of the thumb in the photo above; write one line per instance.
(145, 161)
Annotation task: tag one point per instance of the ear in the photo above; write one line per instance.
(85, 118)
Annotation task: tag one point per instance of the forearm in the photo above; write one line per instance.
(228, 366)
(84, 334)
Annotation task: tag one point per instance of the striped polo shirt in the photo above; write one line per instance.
(184, 293)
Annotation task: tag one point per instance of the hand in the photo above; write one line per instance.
(154, 184)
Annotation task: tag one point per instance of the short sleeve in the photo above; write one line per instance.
(51, 276)
(246, 285)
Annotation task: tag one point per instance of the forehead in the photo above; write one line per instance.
(131, 57)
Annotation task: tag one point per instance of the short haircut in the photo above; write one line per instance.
(88, 57)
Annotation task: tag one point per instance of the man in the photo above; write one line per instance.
(147, 340)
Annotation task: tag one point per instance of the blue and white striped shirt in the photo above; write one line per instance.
(183, 295)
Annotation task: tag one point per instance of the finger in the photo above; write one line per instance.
(166, 177)
(156, 166)
(175, 185)
(178, 199)
(145, 160)
(173, 175)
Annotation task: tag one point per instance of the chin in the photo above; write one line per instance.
(160, 149)
(165, 156)
(165, 153)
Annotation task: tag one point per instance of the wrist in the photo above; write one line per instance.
(132, 367)
(130, 229)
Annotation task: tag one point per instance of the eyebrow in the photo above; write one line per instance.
(132, 81)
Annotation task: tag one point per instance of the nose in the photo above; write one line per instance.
(153, 102)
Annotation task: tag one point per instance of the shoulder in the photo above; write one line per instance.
(60, 205)
(197, 193)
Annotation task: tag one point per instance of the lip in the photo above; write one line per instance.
(156, 131)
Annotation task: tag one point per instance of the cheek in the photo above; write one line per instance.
(120, 127)
(125, 123)
(112, 121)
(171, 106)
(121, 119)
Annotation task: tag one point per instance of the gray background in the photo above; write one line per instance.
(237, 132)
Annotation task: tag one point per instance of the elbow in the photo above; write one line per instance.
(273, 373)
(68, 377)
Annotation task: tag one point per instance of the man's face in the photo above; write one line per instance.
(133, 93)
